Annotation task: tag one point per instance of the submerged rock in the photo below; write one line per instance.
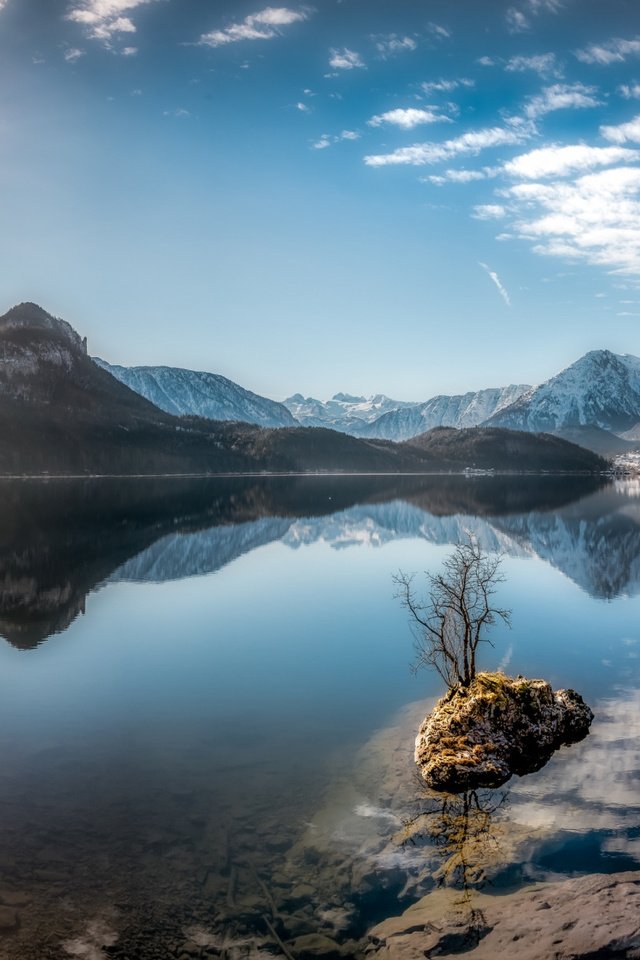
(585, 917)
(478, 736)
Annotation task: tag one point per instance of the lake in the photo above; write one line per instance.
(207, 711)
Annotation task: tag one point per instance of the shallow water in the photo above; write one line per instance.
(207, 712)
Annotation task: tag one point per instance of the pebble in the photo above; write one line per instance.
(9, 919)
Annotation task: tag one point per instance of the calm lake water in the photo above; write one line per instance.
(207, 713)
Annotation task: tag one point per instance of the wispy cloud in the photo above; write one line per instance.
(105, 19)
(623, 132)
(438, 31)
(544, 64)
(264, 25)
(445, 86)
(72, 54)
(408, 118)
(561, 96)
(630, 91)
(519, 18)
(345, 59)
(496, 279)
(613, 51)
(517, 21)
(489, 211)
(392, 44)
(461, 176)
(327, 140)
(556, 161)
(472, 142)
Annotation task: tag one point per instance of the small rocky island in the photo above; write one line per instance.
(480, 734)
(488, 726)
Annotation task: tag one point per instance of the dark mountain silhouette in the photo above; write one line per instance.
(490, 447)
(63, 414)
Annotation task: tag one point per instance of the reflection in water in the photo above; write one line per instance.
(464, 831)
(61, 540)
(182, 775)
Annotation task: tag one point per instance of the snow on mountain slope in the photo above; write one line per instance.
(200, 394)
(467, 410)
(343, 411)
(600, 389)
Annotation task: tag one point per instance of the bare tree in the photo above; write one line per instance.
(458, 611)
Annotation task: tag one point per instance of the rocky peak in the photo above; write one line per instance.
(31, 318)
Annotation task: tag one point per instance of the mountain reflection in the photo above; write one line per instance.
(59, 540)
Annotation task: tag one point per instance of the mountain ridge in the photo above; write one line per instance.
(198, 393)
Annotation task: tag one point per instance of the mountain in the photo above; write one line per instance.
(600, 389)
(500, 449)
(465, 410)
(62, 413)
(604, 442)
(200, 394)
(343, 411)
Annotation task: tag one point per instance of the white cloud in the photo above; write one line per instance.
(438, 31)
(461, 176)
(517, 22)
(264, 25)
(104, 19)
(486, 61)
(544, 64)
(595, 218)
(445, 86)
(555, 161)
(561, 96)
(73, 54)
(630, 91)
(489, 211)
(496, 279)
(129, 51)
(623, 133)
(407, 118)
(302, 107)
(469, 143)
(613, 51)
(326, 140)
(390, 45)
(345, 59)
(549, 6)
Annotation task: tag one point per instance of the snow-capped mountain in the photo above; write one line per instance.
(600, 389)
(343, 411)
(199, 394)
(466, 410)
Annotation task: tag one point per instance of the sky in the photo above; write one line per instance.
(411, 197)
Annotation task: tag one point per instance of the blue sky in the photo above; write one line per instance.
(410, 197)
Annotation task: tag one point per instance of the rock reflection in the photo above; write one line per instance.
(463, 830)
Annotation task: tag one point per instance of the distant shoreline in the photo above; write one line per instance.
(309, 473)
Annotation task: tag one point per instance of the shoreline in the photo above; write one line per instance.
(269, 475)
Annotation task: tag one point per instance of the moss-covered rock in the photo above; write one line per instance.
(478, 736)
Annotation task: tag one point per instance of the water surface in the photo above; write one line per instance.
(207, 713)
